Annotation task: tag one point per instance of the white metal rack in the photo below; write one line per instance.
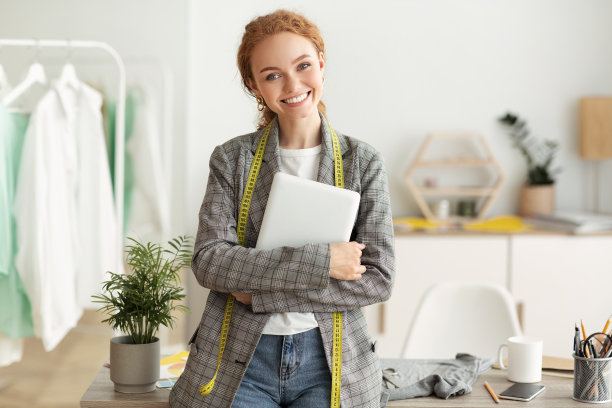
(119, 122)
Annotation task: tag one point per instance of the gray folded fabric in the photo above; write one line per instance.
(423, 377)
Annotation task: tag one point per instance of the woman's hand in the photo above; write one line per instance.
(345, 263)
(243, 297)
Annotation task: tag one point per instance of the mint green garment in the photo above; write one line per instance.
(110, 108)
(15, 309)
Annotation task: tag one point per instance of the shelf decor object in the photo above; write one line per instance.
(595, 115)
(486, 194)
(596, 128)
(537, 195)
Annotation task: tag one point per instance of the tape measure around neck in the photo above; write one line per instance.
(241, 233)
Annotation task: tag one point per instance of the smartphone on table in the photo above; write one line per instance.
(521, 392)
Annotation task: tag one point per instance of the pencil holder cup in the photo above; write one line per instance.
(592, 379)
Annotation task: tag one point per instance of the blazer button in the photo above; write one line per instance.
(193, 349)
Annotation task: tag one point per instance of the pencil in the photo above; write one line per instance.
(607, 324)
(583, 331)
(488, 387)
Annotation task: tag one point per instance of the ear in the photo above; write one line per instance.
(322, 62)
(252, 85)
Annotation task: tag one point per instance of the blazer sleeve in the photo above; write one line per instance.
(220, 263)
(374, 228)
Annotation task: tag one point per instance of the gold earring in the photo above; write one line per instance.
(261, 105)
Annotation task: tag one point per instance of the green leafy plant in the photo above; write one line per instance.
(144, 298)
(538, 154)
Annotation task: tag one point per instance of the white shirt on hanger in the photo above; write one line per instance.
(64, 210)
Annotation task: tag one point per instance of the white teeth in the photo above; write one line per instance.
(297, 99)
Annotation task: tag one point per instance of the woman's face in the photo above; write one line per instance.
(288, 74)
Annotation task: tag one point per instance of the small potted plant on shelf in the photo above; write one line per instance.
(537, 195)
(137, 304)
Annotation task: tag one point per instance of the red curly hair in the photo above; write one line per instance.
(263, 27)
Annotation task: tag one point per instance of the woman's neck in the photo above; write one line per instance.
(300, 133)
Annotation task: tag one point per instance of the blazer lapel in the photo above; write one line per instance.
(326, 163)
(269, 167)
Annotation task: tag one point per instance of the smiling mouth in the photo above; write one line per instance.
(296, 99)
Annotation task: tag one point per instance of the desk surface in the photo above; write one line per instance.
(558, 394)
(101, 393)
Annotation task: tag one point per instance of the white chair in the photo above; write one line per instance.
(461, 318)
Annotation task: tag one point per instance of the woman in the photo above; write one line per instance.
(279, 342)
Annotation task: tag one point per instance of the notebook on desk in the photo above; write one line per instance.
(301, 211)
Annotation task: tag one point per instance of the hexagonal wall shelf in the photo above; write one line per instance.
(484, 194)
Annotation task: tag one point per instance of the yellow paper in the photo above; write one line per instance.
(414, 223)
(503, 223)
(175, 358)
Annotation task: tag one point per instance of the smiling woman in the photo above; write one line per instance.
(277, 321)
(292, 86)
(254, 51)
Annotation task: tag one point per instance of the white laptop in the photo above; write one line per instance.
(301, 211)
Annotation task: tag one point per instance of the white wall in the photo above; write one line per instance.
(397, 70)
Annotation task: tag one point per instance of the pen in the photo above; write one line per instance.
(607, 324)
(488, 387)
(585, 348)
(608, 353)
(577, 340)
(592, 349)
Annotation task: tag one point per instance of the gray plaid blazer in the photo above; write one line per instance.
(285, 279)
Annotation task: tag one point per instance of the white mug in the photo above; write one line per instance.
(524, 359)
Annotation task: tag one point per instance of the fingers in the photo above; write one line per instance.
(345, 262)
(242, 297)
(357, 248)
(359, 274)
(347, 272)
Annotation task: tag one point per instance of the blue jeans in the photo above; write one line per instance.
(286, 371)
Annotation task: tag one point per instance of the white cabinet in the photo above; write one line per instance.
(422, 261)
(560, 280)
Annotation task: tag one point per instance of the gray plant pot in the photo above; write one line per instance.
(134, 368)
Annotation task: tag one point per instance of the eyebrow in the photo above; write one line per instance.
(301, 57)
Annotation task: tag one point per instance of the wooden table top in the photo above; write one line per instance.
(558, 394)
(101, 393)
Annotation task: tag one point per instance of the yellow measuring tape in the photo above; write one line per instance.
(241, 232)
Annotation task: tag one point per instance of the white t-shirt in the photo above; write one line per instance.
(301, 163)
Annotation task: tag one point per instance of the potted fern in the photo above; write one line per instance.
(537, 195)
(137, 304)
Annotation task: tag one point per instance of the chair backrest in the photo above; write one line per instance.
(456, 318)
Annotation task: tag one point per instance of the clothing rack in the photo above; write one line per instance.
(166, 79)
(119, 122)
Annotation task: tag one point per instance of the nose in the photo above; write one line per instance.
(291, 83)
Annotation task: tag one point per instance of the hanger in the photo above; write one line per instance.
(4, 82)
(68, 75)
(36, 75)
